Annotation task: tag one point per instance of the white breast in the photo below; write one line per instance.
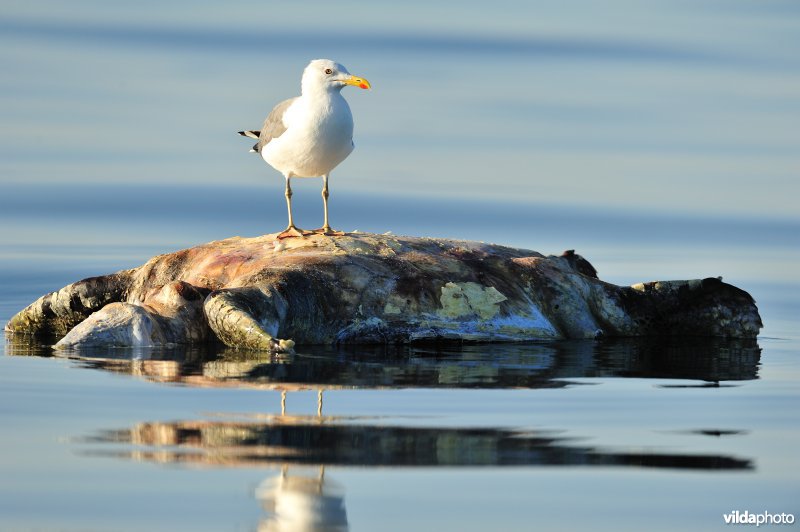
(318, 137)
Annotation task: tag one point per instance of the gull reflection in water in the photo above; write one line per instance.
(302, 497)
(300, 500)
(302, 449)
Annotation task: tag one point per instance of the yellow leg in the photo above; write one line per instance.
(291, 229)
(326, 228)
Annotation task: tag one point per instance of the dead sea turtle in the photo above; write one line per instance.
(266, 293)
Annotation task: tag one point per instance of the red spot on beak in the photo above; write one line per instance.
(363, 86)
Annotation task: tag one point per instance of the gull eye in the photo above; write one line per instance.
(329, 71)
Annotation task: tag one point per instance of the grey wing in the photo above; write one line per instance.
(273, 125)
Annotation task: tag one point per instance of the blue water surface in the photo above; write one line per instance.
(659, 140)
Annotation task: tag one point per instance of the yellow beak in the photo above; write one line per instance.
(358, 82)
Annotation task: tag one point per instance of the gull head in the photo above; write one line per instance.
(327, 75)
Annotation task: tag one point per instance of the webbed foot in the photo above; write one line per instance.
(293, 231)
(327, 230)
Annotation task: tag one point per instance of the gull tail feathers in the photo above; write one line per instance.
(253, 134)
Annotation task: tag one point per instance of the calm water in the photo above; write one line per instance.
(658, 140)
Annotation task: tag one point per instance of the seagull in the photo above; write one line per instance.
(310, 134)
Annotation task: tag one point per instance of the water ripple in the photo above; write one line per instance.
(256, 42)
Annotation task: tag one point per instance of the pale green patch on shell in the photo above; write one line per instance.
(461, 300)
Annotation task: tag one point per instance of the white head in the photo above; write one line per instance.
(327, 75)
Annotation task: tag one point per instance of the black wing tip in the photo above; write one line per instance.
(250, 133)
